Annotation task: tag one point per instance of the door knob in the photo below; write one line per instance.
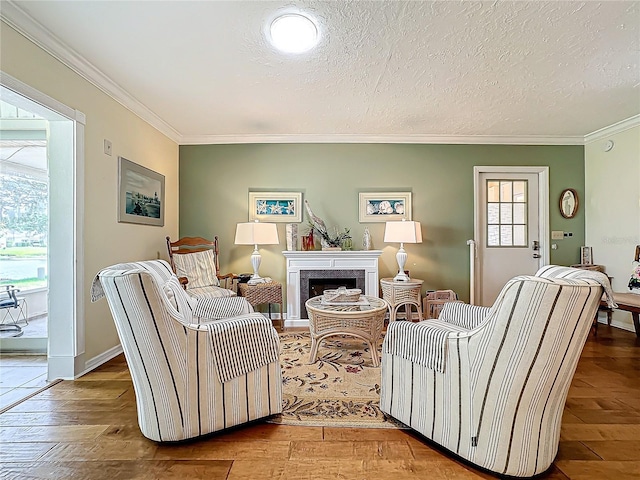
(536, 255)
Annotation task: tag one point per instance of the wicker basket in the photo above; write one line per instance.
(435, 300)
(342, 294)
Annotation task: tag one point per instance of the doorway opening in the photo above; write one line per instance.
(41, 157)
(511, 225)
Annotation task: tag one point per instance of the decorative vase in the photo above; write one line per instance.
(366, 240)
(307, 242)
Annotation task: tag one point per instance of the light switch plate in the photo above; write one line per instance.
(557, 235)
(107, 147)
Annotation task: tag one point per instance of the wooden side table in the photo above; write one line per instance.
(398, 294)
(262, 293)
(595, 268)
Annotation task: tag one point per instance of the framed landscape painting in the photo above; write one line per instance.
(384, 207)
(140, 194)
(283, 207)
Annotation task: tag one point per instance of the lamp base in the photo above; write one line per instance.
(401, 277)
(257, 280)
(401, 257)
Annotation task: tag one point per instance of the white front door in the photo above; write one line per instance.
(511, 217)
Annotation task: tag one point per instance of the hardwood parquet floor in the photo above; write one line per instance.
(87, 429)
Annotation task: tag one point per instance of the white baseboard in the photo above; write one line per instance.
(296, 323)
(628, 326)
(98, 360)
(289, 323)
(620, 319)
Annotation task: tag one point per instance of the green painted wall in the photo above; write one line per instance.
(215, 180)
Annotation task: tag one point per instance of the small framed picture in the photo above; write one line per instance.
(384, 207)
(586, 256)
(275, 206)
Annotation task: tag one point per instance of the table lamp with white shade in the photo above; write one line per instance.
(256, 233)
(402, 232)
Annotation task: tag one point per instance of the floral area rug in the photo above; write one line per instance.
(341, 389)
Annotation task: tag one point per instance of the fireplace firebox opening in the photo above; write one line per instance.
(317, 286)
(315, 282)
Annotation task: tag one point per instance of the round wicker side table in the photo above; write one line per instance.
(363, 319)
(402, 293)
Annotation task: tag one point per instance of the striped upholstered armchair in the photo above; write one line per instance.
(490, 384)
(197, 365)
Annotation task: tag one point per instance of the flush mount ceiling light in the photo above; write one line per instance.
(293, 33)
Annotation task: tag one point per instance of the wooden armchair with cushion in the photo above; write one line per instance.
(195, 260)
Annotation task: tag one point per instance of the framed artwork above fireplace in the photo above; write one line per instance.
(384, 206)
(275, 207)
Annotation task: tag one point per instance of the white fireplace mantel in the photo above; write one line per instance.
(298, 261)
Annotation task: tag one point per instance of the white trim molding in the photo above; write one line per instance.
(24, 24)
(612, 129)
(415, 139)
(98, 360)
(65, 149)
(299, 262)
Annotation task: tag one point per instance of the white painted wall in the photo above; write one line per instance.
(104, 241)
(612, 184)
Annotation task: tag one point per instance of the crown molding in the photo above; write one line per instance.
(362, 138)
(612, 129)
(24, 24)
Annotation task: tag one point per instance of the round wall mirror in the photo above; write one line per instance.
(569, 203)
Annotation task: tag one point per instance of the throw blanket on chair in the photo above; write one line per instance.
(424, 343)
(234, 344)
(555, 271)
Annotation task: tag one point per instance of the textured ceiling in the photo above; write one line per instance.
(204, 72)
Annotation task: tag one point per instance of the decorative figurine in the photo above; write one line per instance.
(366, 239)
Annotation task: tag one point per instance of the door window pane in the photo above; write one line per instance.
(520, 191)
(519, 236)
(506, 235)
(493, 193)
(519, 213)
(493, 210)
(493, 237)
(506, 213)
(505, 191)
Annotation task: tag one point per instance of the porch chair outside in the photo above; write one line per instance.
(13, 309)
(198, 365)
(490, 384)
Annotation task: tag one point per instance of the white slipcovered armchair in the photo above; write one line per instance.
(490, 384)
(197, 365)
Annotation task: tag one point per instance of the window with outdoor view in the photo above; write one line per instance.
(24, 193)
